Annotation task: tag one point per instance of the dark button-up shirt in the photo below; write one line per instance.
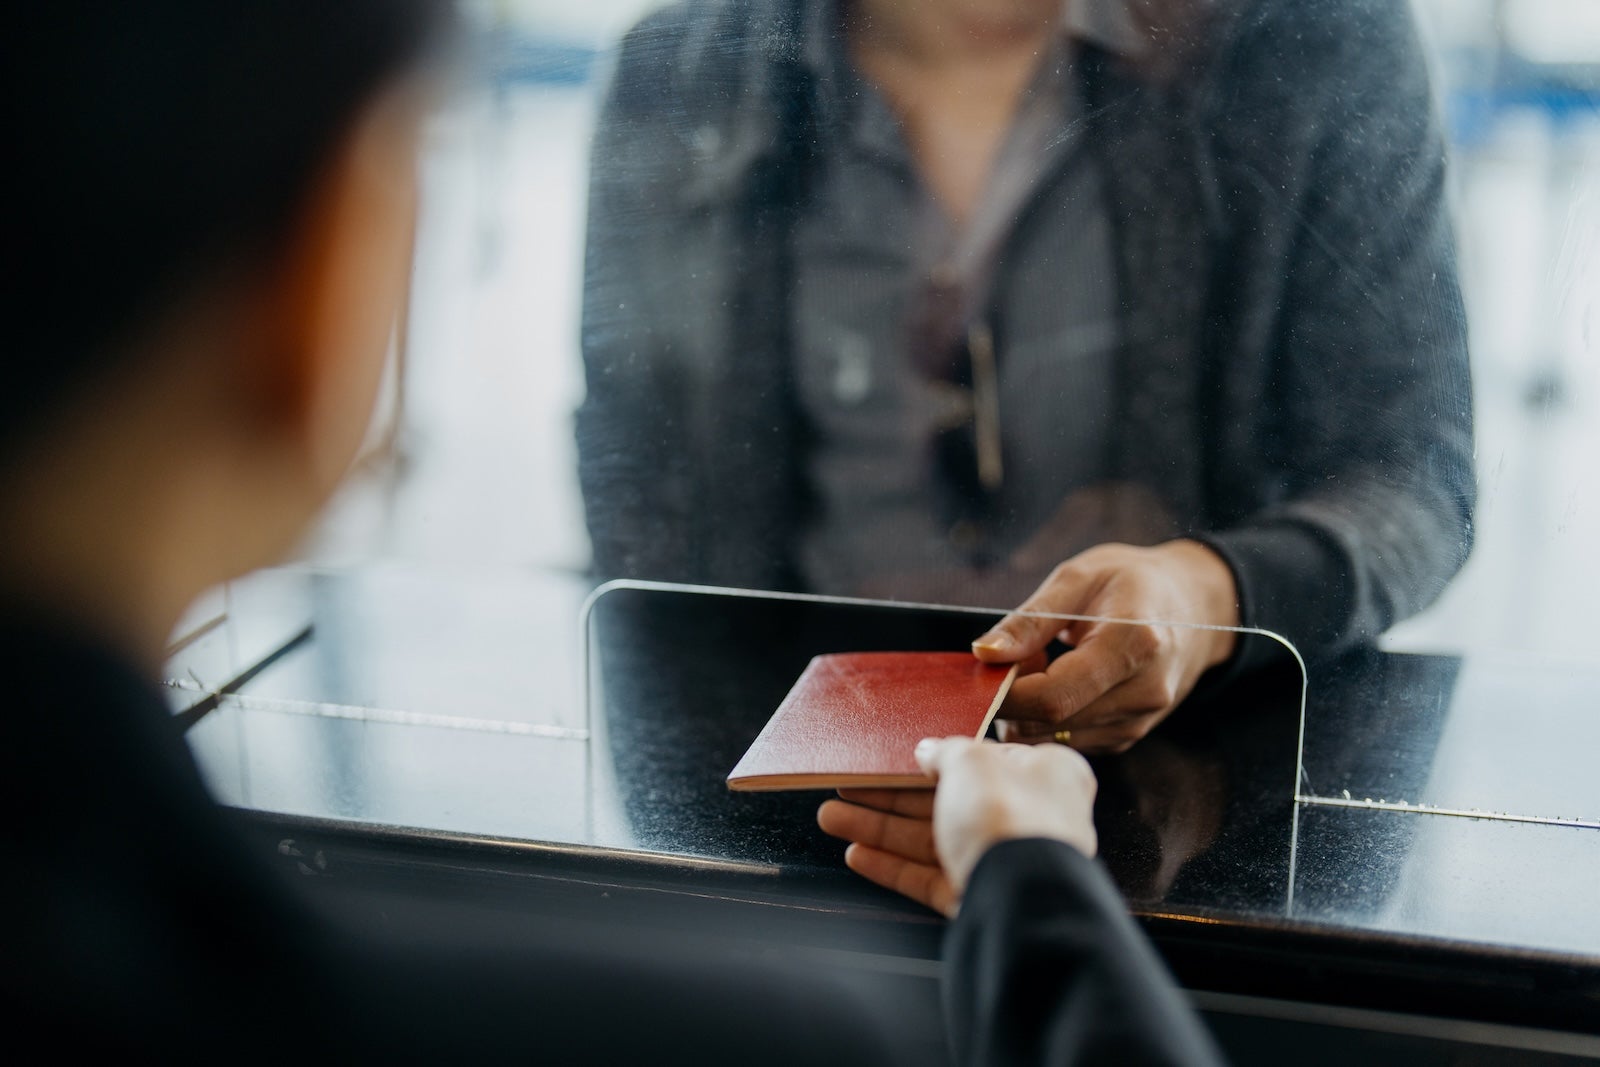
(1033, 267)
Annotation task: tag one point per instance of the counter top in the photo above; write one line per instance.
(1245, 888)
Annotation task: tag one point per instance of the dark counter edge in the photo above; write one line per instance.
(836, 912)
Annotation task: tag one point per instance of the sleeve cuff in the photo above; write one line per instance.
(1292, 581)
(1020, 857)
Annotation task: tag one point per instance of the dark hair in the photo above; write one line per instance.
(152, 143)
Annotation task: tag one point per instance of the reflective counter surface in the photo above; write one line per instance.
(452, 709)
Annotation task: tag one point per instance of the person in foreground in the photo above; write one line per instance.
(212, 210)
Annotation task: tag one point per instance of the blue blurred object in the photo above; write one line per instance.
(508, 57)
(1484, 85)
(544, 61)
(1472, 113)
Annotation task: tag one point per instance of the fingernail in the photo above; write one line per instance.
(995, 641)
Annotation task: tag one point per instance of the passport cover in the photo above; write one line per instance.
(854, 719)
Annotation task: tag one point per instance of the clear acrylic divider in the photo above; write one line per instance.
(681, 678)
(1449, 796)
(1489, 735)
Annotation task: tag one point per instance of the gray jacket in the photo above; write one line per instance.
(1294, 368)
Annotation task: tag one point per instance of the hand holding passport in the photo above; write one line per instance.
(925, 844)
(882, 727)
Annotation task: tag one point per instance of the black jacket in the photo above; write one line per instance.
(1294, 379)
(138, 919)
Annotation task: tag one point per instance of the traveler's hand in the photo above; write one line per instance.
(1119, 679)
(925, 845)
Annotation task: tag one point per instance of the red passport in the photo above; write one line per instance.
(854, 719)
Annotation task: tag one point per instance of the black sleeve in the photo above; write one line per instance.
(1371, 378)
(1044, 965)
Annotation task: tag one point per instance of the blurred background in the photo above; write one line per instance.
(479, 415)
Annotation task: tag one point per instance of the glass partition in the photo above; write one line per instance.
(681, 679)
(1290, 303)
(1487, 695)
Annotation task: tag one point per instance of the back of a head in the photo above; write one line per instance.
(157, 144)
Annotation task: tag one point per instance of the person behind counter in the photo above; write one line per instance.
(210, 217)
(1148, 307)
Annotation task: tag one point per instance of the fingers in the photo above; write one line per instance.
(891, 835)
(1108, 740)
(1112, 723)
(1101, 739)
(914, 803)
(986, 793)
(932, 752)
(1020, 635)
(1122, 717)
(909, 838)
(989, 793)
(1028, 732)
(922, 882)
(1108, 657)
